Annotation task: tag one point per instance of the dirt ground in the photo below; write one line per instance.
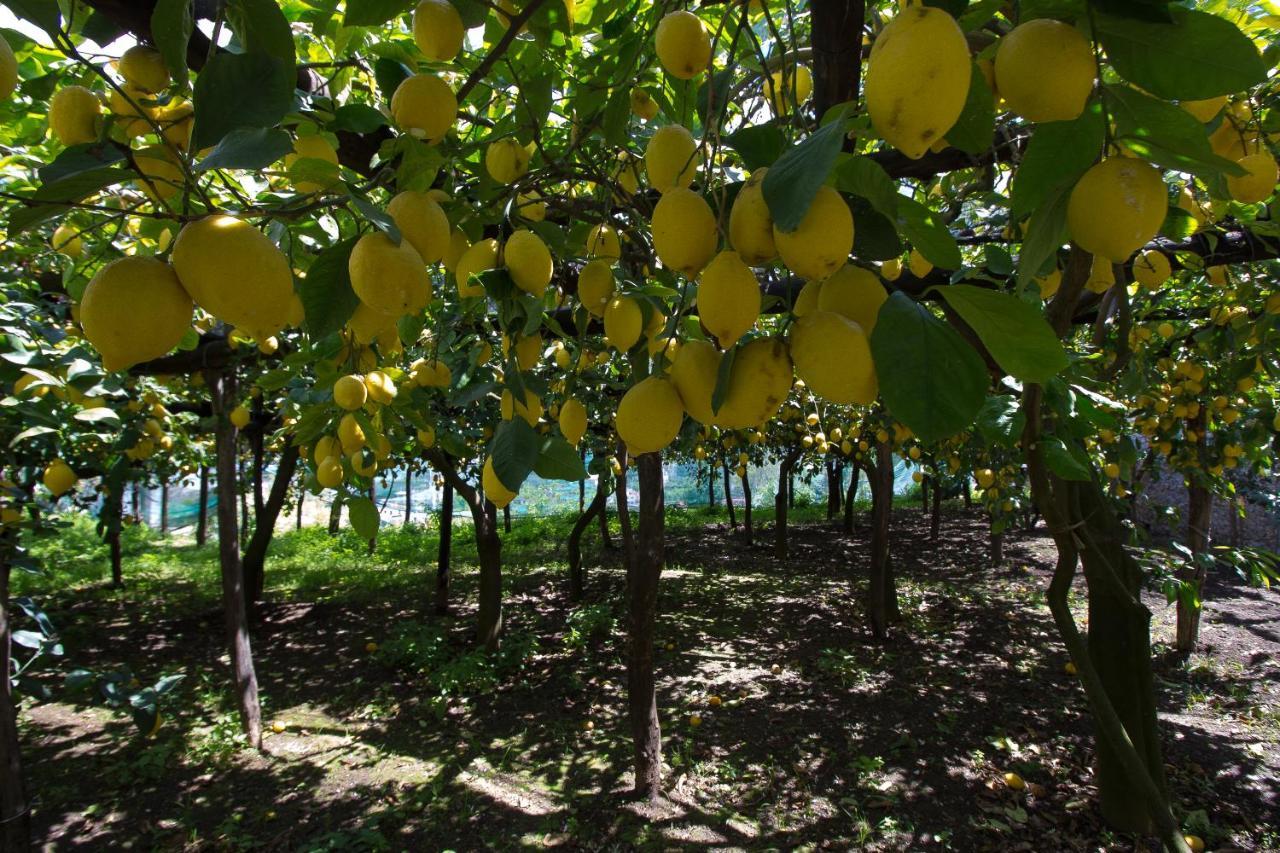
(821, 739)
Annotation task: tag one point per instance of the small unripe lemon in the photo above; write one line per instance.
(438, 30)
(751, 224)
(74, 113)
(671, 158)
(529, 261)
(595, 286)
(424, 106)
(506, 160)
(1045, 70)
(821, 244)
(650, 415)
(728, 298)
(683, 45)
(684, 231)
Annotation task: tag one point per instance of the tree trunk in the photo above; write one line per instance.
(164, 509)
(791, 489)
(967, 493)
(259, 464)
(335, 516)
(138, 513)
(255, 555)
(302, 496)
(642, 599)
(446, 546)
(244, 503)
(489, 549)
(222, 390)
(882, 596)
(850, 497)
(781, 502)
(597, 505)
(997, 548)
(15, 812)
(372, 495)
(624, 514)
(408, 495)
(728, 497)
(711, 485)
(506, 519)
(834, 478)
(935, 517)
(1192, 573)
(202, 512)
(605, 540)
(746, 508)
(582, 484)
(115, 520)
(837, 51)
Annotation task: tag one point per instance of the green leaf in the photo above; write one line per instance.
(379, 217)
(1197, 56)
(389, 74)
(865, 177)
(930, 378)
(617, 114)
(1057, 155)
(725, 370)
(874, 237)
(973, 131)
(71, 188)
(328, 300)
(78, 159)
(43, 13)
(97, 27)
(558, 460)
(473, 12)
(262, 28)
(247, 148)
(171, 27)
(758, 144)
(514, 451)
(1046, 232)
(1014, 332)
(1163, 133)
(712, 95)
(1062, 461)
(793, 180)
(373, 13)
(1000, 421)
(98, 415)
(929, 234)
(241, 90)
(358, 118)
(364, 517)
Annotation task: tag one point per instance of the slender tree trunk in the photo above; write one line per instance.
(882, 596)
(642, 598)
(606, 541)
(302, 496)
(446, 546)
(833, 489)
(747, 528)
(15, 811)
(489, 549)
(408, 495)
(138, 512)
(202, 512)
(924, 495)
(506, 519)
(113, 505)
(256, 442)
(597, 505)
(335, 516)
(244, 503)
(582, 485)
(255, 555)
(222, 390)
(164, 508)
(967, 493)
(791, 489)
(781, 502)
(997, 548)
(728, 497)
(850, 497)
(1192, 573)
(935, 517)
(624, 514)
(711, 485)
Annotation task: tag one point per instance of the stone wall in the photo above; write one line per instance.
(1161, 508)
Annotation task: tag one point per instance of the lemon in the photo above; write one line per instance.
(162, 177)
(424, 107)
(918, 264)
(788, 88)
(728, 298)
(1205, 110)
(497, 494)
(671, 158)
(478, 258)
(312, 147)
(643, 105)
(684, 231)
(985, 477)
(807, 298)
(427, 437)
(176, 121)
(1195, 842)
(380, 387)
(531, 206)
(144, 69)
(833, 357)
(595, 286)
(759, 382)
(350, 434)
(1260, 181)
(1233, 141)
(240, 417)
(368, 325)
(573, 421)
(66, 239)
(133, 118)
(855, 293)
(360, 466)
(694, 373)
(234, 271)
(422, 222)
(1045, 70)
(1014, 781)
(1151, 269)
(325, 446)
(59, 478)
(891, 270)
(438, 30)
(506, 160)
(530, 409)
(329, 473)
(1116, 207)
(74, 114)
(626, 176)
(683, 45)
(133, 310)
(751, 224)
(650, 415)
(9, 70)
(528, 351)
(821, 244)
(603, 242)
(389, 278)
(623, 323)
(1050, 283)
(350, 392)
(434, 374)
(458, 245)
(529, 261)
(917, 79)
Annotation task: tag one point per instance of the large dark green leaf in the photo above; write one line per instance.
(262, 28)
(328, 300)
(874, 236)
(364, 517)
(358, 118)
(758, 144)
(1163, 133)
(558, 460)
(1046, 232)
(247, 148)
(1063, 460)
(171, 27)
(79, 158)
(372, 13)
(1059, 153)
(865, 177)
(514, 451)
(973, 131)
(241, 90)
(1014, 332)
(793, 180)
(1000, 420)
(1197, 56)
(930, 378)
(43, 13)
(929, 234)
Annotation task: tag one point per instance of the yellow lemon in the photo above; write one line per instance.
(807, 299)
(643, 105)
(240, 417)
(74, 114)
(350, 392)
(833, 357)
(650, 415)
(683, 45)
(144, 69)
(313, 147)
(821, 244)
(1259, 182)
(595, 286)
(422, 222)
(427, 437)
(162, 177)
(530, 410)
(478, 258)
(623, 323)
(728, 298)
(506, 160)
(133, 310)
(368, 325)
(1045, 70)
(59, 478)
(573, 421)
(528, 351)
(329, 473)
(438, 30)
(1205, 110)
(694, 373)
(389, 278)
(603, 242)
(1050, 283)
(917, 79)
(350, 434)
(458, 245)
(529, 261)
(497, 494)
(788, 88)
(424, 106)
(66, 239)
(684, 231)
(751, 224)
(855, 293)
(380, 386)
(891, 269)
(671, 158)
(918, 264)
(759, 382)
(1116, 207)
(1151, 269)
